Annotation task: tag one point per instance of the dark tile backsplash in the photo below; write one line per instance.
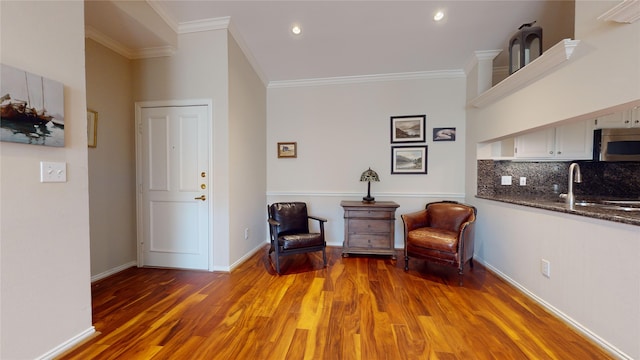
(549, 179)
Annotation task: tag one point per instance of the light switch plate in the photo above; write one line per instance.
(53, 171)
(506, 180)
(523, 181)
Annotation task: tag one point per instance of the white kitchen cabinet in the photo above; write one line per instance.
(573, 141)
(622, 119)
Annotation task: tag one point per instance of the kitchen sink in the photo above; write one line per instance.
(618, 205)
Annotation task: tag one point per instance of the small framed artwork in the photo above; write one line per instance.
(409, 159)
(287, 149)
(405, 129)
(92, 128)
(444, 134)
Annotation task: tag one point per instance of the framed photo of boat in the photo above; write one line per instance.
(31, 108)
(92, 128)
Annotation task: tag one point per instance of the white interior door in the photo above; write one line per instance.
(174, 186)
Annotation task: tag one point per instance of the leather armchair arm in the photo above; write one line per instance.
(466, 243)
(273, 222)
(415, 220)
(317, 218)
(321, 221)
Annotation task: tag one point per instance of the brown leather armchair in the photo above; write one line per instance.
(289, 231)
(442, 233)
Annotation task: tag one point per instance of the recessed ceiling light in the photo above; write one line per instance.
(439, 15)
(296, 29)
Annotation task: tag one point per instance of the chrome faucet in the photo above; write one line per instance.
(571, 198)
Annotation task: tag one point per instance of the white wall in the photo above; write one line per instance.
(112, 173)
(210, 65)
(595, 277)
(248, 173)
(344, 128)
(44, 227)
(198, 70)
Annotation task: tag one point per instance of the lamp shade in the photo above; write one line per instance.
(369, 175)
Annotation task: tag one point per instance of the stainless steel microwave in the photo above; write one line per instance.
(616, 144)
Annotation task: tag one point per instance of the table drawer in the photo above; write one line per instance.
(369, 241)
(369, 214)
(366, 226)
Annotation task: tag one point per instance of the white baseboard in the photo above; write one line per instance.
(68, 345)
(245, 257)
(562, 316)
(114, 270)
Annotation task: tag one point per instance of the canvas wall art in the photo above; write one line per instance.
(31, 108)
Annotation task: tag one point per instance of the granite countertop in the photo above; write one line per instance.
(621, 216)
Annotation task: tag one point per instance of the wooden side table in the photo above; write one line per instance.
(369, 228)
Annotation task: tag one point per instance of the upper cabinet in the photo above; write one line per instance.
(572, 141)
(625, 119)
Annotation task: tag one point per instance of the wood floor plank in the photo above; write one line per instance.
(358, 307)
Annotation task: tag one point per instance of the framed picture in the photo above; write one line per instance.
(405, 129)
(31, 108)
(409, 159)
(444, 134)
(92, 128)
(287, 149)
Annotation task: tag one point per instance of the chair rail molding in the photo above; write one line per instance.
(534, 71)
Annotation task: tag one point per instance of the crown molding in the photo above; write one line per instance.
(221, 23)
(108, 42)
(154, 52)
(628, 11)
(532, 72)
(480, 55)
(164, 14)
(421, 75)
(247, 52)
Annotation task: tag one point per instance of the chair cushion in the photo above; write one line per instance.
(297, 241)
(434, 239)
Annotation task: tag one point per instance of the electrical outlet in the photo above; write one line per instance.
(505, 180)
(545, 268)
(523, 181)
(246, 233)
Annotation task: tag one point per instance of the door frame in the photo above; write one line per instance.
(139, 105)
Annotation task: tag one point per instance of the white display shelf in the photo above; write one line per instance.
(530, 73)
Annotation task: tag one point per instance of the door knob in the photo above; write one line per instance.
(201, 197)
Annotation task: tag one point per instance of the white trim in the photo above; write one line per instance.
(108, 42)
(246, 256)
(114, 270)
(68, 345)
(119, 48)
(628, 11)
(359, 194)
(164, 14)
(534, 71)
(154, 52)
(187, 27)
(420, 75)
(247, 53)
(480, 56)
(562, 316)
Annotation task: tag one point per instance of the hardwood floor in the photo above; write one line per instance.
(356, 308)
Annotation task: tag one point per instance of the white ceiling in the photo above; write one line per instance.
(341, 38)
